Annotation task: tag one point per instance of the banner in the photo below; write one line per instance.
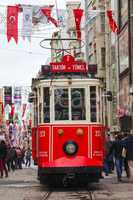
(17, 95)
(3, 19)
(27, 22)
(112, 22)
(1, 112)
(12, 23)
(78, 13)
(38, 16)
(61, 17)
(92, 14)
(7, 95)
(47, 12)
(23, 109)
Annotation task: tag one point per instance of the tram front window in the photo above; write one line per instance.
(78, 104)
(61, 100)
(93, 109)
(46, 103)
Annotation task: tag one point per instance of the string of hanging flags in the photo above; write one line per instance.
(34, 15)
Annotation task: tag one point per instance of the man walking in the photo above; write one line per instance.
(117, 149)
(3, 154)
(128, 145)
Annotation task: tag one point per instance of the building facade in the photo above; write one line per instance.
(125, 49)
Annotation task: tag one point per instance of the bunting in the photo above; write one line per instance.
(12, 111)
(24, 109)
(12, 23)
(1, 112)
(47, 12)
(38, 16)
(78, 13)
(3, 19)
(112, 22)
(27, 22)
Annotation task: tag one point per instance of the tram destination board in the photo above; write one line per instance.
(69, 64)
(78, 67)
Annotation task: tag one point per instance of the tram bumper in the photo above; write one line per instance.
(76, 165)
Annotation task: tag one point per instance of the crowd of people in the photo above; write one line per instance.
(119, 155)
(12, 158)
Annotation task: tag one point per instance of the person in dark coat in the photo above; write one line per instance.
(128, 145)
(117, 149)
(3, 154)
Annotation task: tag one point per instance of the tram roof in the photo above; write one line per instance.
(65, 81)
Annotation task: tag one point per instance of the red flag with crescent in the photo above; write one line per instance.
(12, 22)
(47, 12)
(78, 13)
(112, 23)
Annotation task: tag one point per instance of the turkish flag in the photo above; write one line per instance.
(12, 22)
(78, 13)
(112, 22)
(47, 12)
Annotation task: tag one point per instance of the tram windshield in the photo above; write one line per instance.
(64, 100)
(73, 104)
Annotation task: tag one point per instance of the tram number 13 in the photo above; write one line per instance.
(42, 133)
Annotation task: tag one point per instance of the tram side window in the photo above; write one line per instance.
(46, 105)
(61, 104)
(93, 110)
(78, 104)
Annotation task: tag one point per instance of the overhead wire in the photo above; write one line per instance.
(22, 51)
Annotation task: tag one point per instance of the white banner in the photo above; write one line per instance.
(38, 16)
(3, 19)
(27, 22)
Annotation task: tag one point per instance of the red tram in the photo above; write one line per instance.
(68, 133)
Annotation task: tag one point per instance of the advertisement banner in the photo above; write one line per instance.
(7, 95)
(17, 95)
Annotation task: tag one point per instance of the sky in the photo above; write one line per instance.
(19, 63)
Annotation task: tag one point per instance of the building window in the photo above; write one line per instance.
(102, 22)
(103, 57)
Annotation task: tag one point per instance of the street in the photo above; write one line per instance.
(23, 185)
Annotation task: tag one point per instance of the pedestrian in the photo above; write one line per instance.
(117, 149)
(128, 145)
(125, 137)
(28, 157)
(11, 158)
(19, 158)
(3, 155)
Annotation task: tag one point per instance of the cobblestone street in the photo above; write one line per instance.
(23, 185)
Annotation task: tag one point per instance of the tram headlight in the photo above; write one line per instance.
(70, 148)
(80, 131)
(60, 132)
